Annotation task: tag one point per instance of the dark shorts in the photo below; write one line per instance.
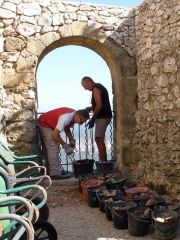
(101, 125)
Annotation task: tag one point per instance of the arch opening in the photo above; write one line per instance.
(58, 80)
(122, 69)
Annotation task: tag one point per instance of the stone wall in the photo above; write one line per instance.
(156, 145)
(31, 29)
(144, 40)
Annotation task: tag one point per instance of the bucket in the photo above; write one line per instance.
(119, 214)
(104, 195)
(141, 201)
(92, 197)
(89, 182)
(151, 202)
(165, 224)
(84, 166)
(101, 203)
(175, 206)
(108, 208)
(115, 183)
(138, 222)
(114, 174)
(104, 166)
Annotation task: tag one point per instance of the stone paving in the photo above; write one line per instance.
(75, 220)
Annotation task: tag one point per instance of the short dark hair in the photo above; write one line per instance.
(83, 113)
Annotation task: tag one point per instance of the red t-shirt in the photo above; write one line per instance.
(50, 119)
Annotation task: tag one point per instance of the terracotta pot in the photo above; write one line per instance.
(131, 191)
(89, 182)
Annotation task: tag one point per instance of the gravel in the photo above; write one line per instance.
(75, 220)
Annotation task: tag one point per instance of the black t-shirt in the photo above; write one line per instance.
(106, 107)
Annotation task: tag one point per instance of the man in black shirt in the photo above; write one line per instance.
(102, 113)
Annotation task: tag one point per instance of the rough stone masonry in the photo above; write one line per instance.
(142, 49)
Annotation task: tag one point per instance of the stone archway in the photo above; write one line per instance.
(112, 36)
(121, 66)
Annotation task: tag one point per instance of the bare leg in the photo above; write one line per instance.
(101, 148)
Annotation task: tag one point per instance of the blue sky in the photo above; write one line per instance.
(113, 2)
(61, 84)
(60, 72)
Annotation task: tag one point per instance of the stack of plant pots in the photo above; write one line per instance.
(131, 206)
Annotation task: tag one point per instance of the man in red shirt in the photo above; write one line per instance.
(51, 125)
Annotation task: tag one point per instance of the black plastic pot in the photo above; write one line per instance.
(107, 194)
(92, 196)
(138, 226)
(147, 202)
(101, 203)
(119, 214)
(108, 208)
(109, 205)
(104, 166)
(114, 174)
(175, 206)
(84, 166)
(113, 183)
(165, 230)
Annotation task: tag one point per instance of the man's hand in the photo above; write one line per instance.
(90, 124)
(68, 149)
(89, 109)
(72, 142)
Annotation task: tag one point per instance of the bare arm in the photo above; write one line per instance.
(57, 137)
(98, 100)
(68, 133)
